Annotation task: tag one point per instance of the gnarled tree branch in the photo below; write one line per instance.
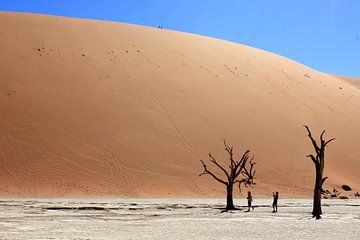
(316, 147)
(213, 160)
(315, 161)
(206, 171)
(327, 142)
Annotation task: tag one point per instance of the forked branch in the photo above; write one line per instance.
(249, 174)
(315, 161)
(206, 171)
(327, 142)
(316, 147)
(213, 160)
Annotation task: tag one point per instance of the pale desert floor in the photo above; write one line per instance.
(174, 219)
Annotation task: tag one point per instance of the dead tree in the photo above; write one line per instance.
(318, 161)
(239, 171)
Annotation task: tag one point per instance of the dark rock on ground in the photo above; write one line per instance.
(343, 197)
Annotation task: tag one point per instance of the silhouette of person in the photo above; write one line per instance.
(249, 199)
(275, 202)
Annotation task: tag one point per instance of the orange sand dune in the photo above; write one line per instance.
(352, 80)
(102, 108)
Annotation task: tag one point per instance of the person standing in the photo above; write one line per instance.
(275, 202)
(249, 199)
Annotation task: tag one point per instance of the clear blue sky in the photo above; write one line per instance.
(323, 34)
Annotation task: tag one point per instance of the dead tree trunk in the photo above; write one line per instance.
(318, 161)
(229, 197)
(240, 172)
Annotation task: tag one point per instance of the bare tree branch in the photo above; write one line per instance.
(317, 149)
(313, 159)
(323, 180)
(241, 163)
(231, 155)
(321, 136)
(213, 160)
(206, 171)
(327, 142)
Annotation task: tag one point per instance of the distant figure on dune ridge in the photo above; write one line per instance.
(275, 202)
(249, 199)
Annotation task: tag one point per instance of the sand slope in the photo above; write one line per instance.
(352, 80)
(101, 108)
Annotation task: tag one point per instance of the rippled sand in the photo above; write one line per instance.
(174, 219)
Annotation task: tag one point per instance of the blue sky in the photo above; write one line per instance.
(322, 34)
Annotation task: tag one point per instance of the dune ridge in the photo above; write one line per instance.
(95, 108)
